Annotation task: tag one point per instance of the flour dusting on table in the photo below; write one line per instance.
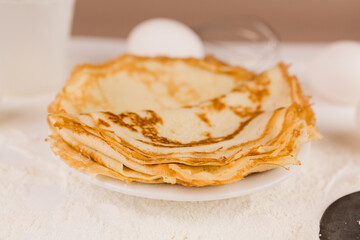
(42, 199)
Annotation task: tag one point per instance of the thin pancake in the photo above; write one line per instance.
(200, 122)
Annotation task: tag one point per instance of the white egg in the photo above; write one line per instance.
(164, 37)
(335, 72)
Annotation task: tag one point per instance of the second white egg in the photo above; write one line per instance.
(335, 72)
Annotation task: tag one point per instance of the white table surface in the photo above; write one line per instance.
(42, 199)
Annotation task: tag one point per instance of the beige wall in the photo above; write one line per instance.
(293, 20)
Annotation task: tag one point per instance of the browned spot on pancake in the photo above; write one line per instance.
(102, 122)
(244, 112)
(145, 125)
(253, 152)
(207, 134)
(217, 104)
(296, 133)
(203, 118)
(135, 122)
(181, 91)
(258, 91)
(171, 87)
(119, 119)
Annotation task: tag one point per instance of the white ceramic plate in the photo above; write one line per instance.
(250, 184)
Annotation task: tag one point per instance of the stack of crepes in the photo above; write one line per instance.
(194, 122)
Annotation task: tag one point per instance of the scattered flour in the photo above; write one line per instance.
(43, 199)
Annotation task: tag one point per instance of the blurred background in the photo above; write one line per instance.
(293, 20)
